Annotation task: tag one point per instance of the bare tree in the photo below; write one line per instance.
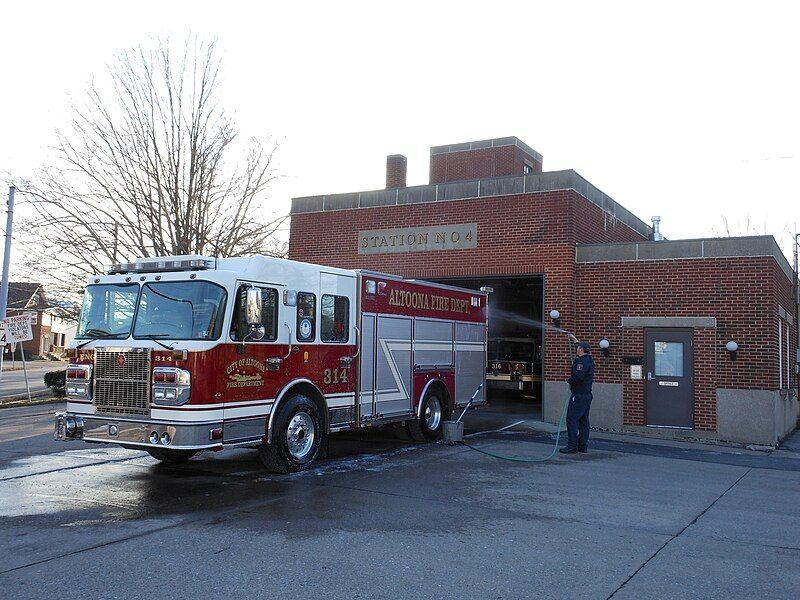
(151, 166)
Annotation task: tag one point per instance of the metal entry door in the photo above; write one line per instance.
(669, 388)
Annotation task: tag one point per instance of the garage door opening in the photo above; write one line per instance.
(514, 351)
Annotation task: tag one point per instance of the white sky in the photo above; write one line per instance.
(690, 110)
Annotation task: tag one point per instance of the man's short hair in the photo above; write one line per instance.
(584, 345)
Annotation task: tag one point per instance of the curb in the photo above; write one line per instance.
(41, 397)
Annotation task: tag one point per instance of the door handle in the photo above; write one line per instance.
(649, 376)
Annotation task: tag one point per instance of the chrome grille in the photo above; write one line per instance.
(122, 388)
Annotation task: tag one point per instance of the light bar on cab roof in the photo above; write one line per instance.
(158, 264)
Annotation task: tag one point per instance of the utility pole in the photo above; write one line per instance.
(7, 253)
(6, 264)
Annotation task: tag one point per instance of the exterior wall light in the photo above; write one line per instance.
(732, 348)
(556, 316)
(604, 346)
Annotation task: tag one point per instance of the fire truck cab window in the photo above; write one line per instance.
(180, 310)
(269, 315)
(108, 310)
(334, 311)
(306, 317)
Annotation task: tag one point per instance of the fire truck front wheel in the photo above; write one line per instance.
(296, 438)
(428, 426)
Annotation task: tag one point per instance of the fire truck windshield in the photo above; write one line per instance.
(107, 311)
(180, 310)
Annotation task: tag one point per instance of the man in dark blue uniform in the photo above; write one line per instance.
(580, 385)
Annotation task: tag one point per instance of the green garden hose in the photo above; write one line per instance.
(524, 459)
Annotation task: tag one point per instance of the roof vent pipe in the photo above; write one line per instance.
(657, 237)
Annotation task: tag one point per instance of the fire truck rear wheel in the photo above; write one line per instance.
(297, 438)
(172, 457)
(428, 426)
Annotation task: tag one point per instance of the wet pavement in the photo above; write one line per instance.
(384, 518)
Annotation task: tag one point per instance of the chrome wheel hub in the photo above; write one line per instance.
(300, 435)
(433, 413)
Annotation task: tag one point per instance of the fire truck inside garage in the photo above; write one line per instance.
(514, 348)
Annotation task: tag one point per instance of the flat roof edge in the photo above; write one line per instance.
(491, 143)
(549, 181)
(701, 248)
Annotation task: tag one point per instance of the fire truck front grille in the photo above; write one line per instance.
(122, 381)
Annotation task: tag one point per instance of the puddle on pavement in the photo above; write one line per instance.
(42, 463)
(102, 484)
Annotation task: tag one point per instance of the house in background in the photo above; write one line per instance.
(53, 325)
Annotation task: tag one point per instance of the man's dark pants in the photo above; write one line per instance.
(578, 421)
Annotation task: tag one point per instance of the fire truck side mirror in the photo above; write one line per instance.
(253, 311)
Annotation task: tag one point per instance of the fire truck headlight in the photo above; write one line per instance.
(165, 439)
(78, 381)
(154, 437)
(171, 386)
(79, 390)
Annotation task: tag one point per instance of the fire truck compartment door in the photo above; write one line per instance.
(470, 361)
(393, 368)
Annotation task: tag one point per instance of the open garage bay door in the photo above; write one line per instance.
(514, 357)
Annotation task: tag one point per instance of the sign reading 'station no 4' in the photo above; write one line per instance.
(18, 328)
(418, 239)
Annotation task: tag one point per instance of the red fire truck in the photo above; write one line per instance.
(175, 355)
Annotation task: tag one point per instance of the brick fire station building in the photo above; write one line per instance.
(551, 241)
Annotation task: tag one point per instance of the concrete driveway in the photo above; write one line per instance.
(387, 519)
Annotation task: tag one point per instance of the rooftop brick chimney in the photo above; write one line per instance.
(395, 171)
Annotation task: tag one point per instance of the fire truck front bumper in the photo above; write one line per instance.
(138, 433)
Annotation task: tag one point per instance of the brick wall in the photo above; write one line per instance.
(742, 293)
(480, 163)
(520, 234)
(396, 167)
(536, 233)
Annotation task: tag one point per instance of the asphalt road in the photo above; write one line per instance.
(12, 383)
(386, 519)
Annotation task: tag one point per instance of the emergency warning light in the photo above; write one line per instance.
(193, 262)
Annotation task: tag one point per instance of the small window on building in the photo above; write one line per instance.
(269, 315)
(334, 314)
(306, 317)
(669, 359)
(527, 169)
